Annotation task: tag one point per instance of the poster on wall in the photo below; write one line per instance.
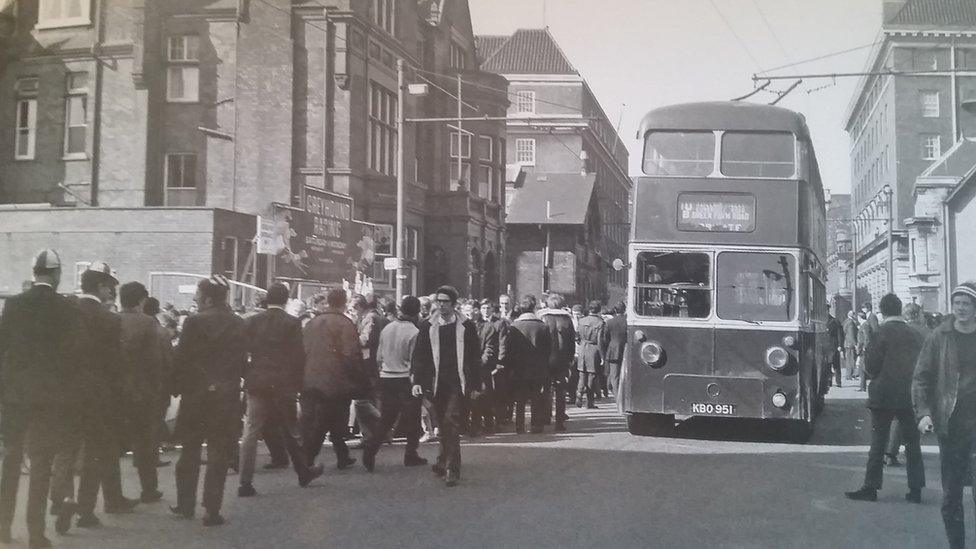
(322, 241)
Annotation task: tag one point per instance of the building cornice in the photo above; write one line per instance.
(543, 78)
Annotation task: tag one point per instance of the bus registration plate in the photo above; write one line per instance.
(713, 409)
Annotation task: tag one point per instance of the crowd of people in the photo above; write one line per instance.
(86, 377)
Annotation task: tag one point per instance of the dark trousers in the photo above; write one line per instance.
(880, 430)
(275, 442)
(613, 373)
(483, 407)
(894, 438)
(93, 437)
(449, 409)
(863, 376)
(36, 430)
(270, 412)
(323, 415)
(850, 360)
(589, 386)
(143, 419)
(957, 456)
(531, 392)
(502, 396)
(838, 368)
(397, 403)
(102, 447)
(220, 449)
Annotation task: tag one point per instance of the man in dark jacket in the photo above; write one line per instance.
(590, 360)
(482, 410)
(525, 350)
(944, 395)
(38, 346)
(272, 380)
(210, 361)
(446, 367)
(614, 344)
(835, 333)
(142, 369)
(889, 362)
(97, 427)
(335, 374)
(562, 336)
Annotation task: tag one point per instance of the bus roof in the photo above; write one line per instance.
(724, 115)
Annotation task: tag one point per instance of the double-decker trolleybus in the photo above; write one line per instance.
(727, 312)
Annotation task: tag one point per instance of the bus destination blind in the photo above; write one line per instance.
(715, 212)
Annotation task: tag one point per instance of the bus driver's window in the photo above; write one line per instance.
(675, 284)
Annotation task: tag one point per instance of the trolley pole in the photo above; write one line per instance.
(400, 191)
(891, 240)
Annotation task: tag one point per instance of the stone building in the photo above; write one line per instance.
(839, 250)
(167, 108)
(899, 125)
(558, 132)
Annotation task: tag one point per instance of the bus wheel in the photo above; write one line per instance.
(798, 431)
(650, 424)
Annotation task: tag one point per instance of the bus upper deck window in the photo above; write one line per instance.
(688, 154)
(675, 284)
(757, 154)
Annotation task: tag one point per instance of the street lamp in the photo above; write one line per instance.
(886, 190)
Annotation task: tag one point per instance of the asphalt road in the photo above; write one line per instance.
(714, 484)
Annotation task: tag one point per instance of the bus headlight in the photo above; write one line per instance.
(777, 358)
(651, 353)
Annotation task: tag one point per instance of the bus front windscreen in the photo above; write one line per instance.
(755, 287)
(758, 154)
(681, 154)
(672, 283)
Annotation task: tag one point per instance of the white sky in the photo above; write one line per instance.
(650, 53)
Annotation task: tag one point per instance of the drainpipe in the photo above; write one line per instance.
(97, 106)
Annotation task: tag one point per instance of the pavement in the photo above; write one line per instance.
(716, 483)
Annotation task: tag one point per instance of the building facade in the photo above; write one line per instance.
(556, 129)
(839, 254)
(899, 125)
(237, 105)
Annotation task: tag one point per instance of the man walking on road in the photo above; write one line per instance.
(38, 337)
(590, 359)
(334, 376)
(889, 361)
(210, 360)
(446, 366)
(562, 337)
(944, 395)
(272, 380)
(394, 354)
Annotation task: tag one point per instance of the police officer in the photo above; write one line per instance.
(96, 421)
(210, 361)
(38, 338)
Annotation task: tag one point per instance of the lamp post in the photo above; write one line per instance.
(886, 190)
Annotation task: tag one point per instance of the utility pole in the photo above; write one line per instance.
(400, 191)
(891, 239)
(460, 116)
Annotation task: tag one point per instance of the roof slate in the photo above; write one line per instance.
(528, 51)
(950, 13)
(568, 196)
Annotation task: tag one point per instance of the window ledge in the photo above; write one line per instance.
(74, 157)
(24, 159)
(183, 101)
(63, 23)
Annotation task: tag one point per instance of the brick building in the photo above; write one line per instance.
(899, 125)
(234, 105)
(560, 135)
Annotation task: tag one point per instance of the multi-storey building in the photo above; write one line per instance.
(906, 112)
(568, 147)
(187, 113)
(839, 254)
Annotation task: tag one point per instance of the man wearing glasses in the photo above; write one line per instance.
(445, 367)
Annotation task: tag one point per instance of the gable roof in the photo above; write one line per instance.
(528, 51)
(552, 199)
(947, 13)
